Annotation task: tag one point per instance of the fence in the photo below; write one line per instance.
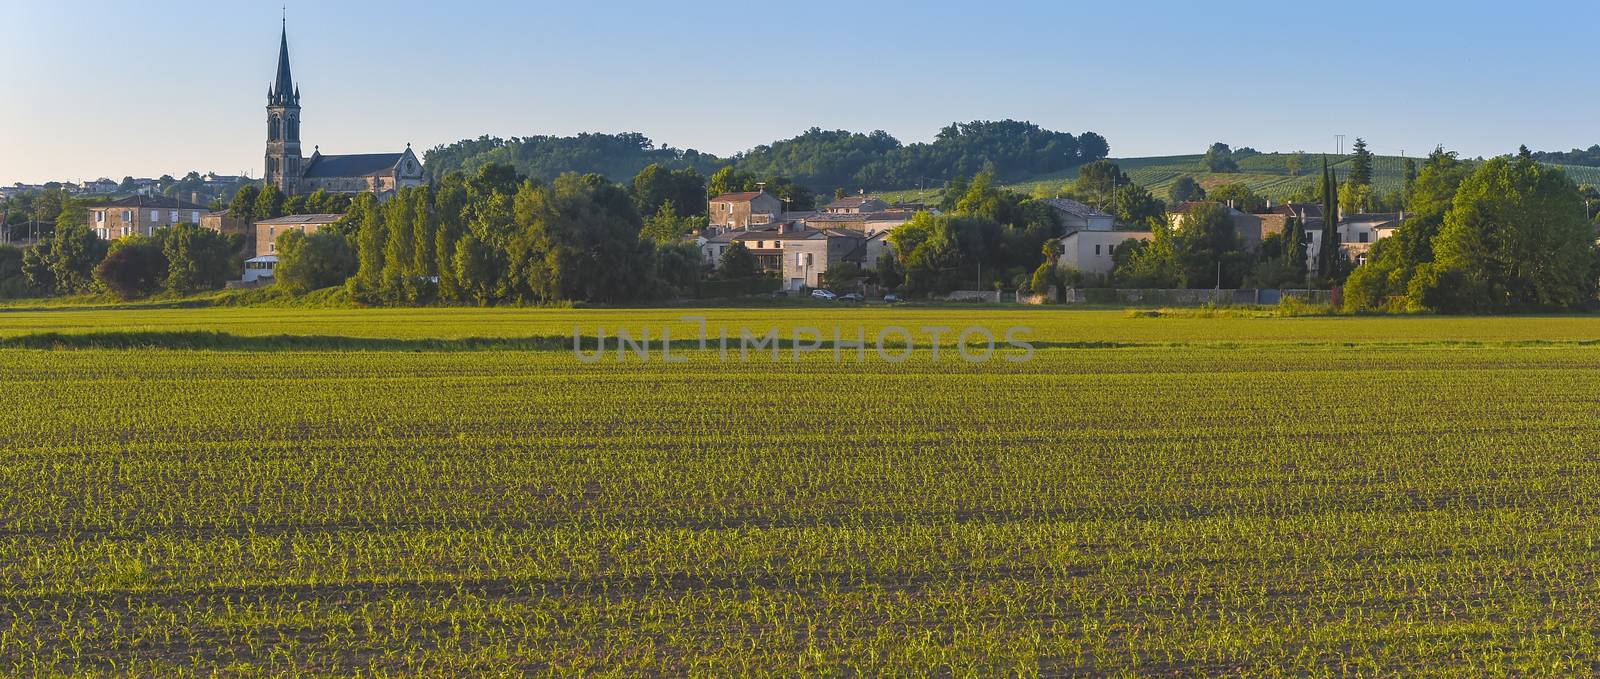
(974, 296)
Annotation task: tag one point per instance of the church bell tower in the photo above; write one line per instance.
(283, 125)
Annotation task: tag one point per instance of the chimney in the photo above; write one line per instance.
(863, 192)
(194, 197)
(761, 187)
(783, 227)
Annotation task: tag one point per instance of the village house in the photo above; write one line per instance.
(866, 222)
(222, 222)
(141, 215)
(743, 210)
(1076, 216)
(1094, 252)
(810, 253)
(800, 255)
(268, 230)
(855, 205)
(1357, 234)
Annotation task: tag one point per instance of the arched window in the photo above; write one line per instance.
(272, 128)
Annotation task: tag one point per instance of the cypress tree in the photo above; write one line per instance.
(1330, 221)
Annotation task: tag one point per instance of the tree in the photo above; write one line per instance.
(1219, 158)
(1098, 181)
(577, 239)
(197, 259)
(134, 268)
(677, 269)
(1516, 237)
(1361, 164)
(36, 268)
(1209, 248)
(726, 180)
(1152, 264)
(1239, 196)
(476, 269)
(1134, 206)
(842, 276)
(371, 239)
(12, 281)
(737, 262)
(74, 252)
(243, 205)
(269, 203)
(1295, 163)
(1045, 276)
(313, 261)
(1185, 189)
(1329, 250)
(1410, 179)
(889, 273)
(424, 228)
(666, 227)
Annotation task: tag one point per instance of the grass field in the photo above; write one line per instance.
(1406, 496)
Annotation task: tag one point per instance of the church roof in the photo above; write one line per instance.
(354, 165)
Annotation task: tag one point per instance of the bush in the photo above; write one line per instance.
(134, 268)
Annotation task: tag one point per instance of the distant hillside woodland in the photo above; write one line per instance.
(822, 161)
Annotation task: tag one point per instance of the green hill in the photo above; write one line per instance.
(1267, 174)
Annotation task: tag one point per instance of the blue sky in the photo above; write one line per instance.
(95, 88)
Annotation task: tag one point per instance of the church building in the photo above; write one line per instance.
(378, 173)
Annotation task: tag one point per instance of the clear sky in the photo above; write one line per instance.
(92, 87)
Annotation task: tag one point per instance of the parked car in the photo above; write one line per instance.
(824, 294)
(892, 298)
(852, 297)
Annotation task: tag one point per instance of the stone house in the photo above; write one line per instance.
(224, 223)
(141, 215)
(743, 210)
(268, 230)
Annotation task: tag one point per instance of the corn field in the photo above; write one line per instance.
(1149, 496)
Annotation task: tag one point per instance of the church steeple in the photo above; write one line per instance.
(283, 91)
(284, 164)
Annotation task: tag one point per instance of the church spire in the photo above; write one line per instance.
(284, 92)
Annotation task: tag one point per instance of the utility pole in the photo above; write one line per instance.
(1340, 143)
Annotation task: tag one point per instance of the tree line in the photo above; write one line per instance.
(822, 161)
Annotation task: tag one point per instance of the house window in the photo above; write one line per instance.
(1363, 236)
(1097, 249)
(174, 216)
(100, 217)
(127, 215)
(194, 216)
